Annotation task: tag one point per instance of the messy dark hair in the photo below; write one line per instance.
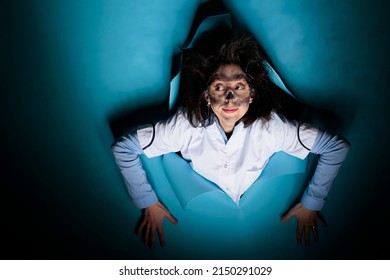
(200, 64)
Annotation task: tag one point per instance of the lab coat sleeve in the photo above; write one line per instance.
(126, 151)
(332, 151)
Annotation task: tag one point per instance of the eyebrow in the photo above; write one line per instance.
(226, 78)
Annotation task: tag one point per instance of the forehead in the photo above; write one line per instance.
(229, 73)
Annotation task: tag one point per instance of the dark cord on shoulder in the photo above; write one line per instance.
(151, 141)
(299, 139)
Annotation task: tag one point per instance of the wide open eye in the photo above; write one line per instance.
(219, 87)
(240, 86)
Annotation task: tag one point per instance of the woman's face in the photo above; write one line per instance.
(229, 95)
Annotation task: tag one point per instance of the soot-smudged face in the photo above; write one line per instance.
(229, 95)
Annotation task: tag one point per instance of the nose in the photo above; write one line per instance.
(229, 97)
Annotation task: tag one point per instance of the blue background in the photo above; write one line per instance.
(70, 69)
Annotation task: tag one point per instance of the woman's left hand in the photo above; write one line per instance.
(307, 222)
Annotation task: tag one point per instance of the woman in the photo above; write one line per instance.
(227, 128)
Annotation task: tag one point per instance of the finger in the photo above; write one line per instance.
(168, 215)
(291, 213)
(172, 219)
(161, 236)
(141, 226)
(315, 232)
(147, 234)
(152, 235)
(287, 217)
(307, 236)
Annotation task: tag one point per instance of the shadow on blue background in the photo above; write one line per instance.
(70, 68)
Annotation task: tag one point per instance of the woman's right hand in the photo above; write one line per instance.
(151, 221)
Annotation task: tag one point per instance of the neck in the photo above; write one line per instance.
(227, 127)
